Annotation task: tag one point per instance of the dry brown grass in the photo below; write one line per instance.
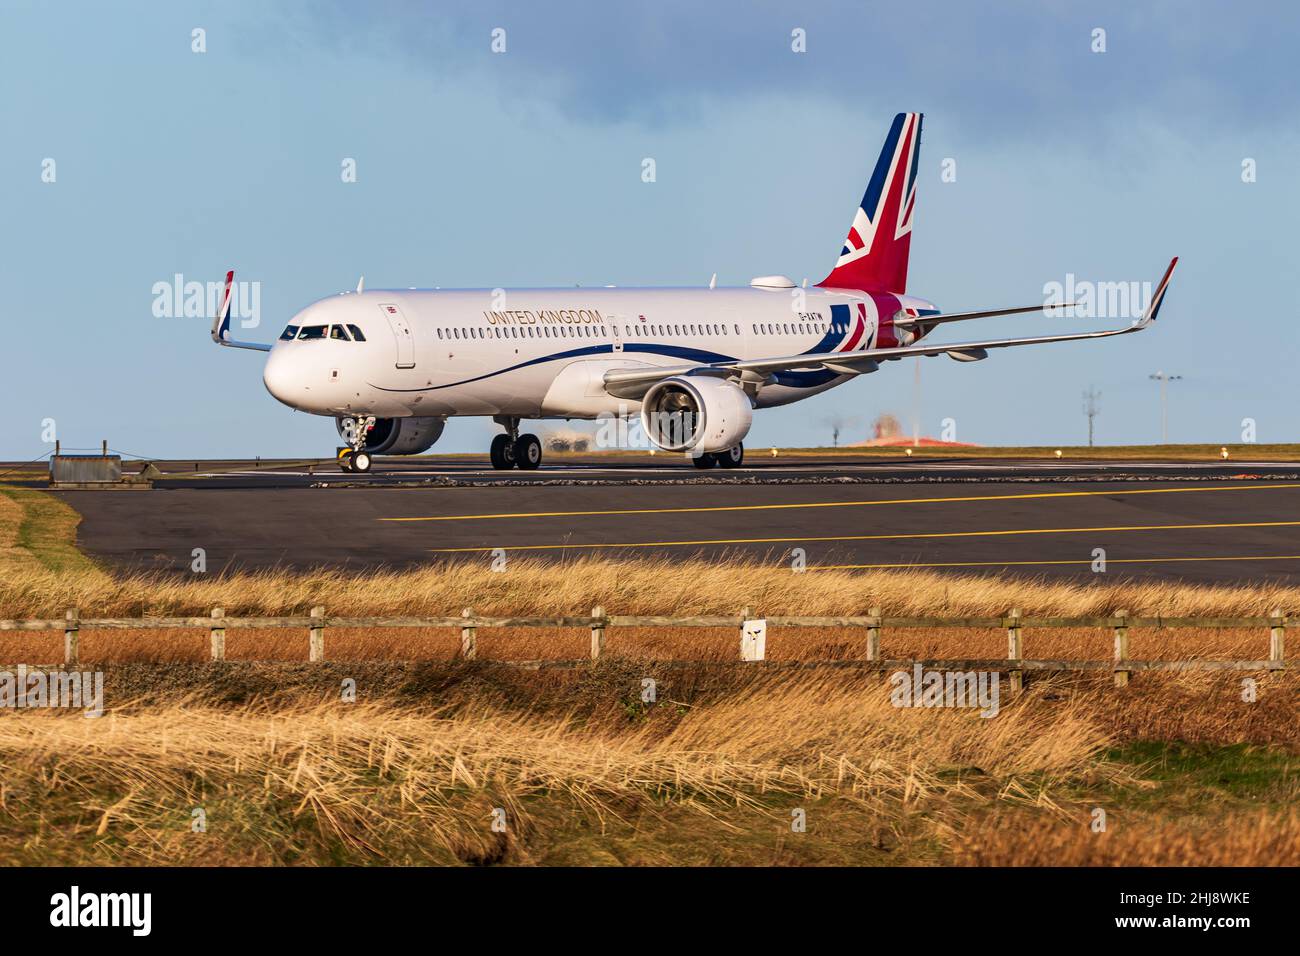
(632, 587)
(640, 643)
(585, 771)
(402, 783)
(1261, 838)
(657, 586)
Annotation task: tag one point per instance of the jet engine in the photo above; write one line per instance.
(395, 436)
(696, 413)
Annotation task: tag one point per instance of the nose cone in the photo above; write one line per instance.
(283, 378)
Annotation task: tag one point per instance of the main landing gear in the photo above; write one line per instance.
(355, 458)
(731, 458)
(513, 449)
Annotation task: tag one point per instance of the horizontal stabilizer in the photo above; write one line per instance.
(903, 320)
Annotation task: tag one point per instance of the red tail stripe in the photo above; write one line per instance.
(225, 299)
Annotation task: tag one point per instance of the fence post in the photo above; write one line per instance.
(745, 613)
(1121, 647)
(72, 638)
(468, 643)
(1015, 648)
(873, 634)
(218, 632)
(597, 632)
(753, 637)
(1277, 638)
(316, 636)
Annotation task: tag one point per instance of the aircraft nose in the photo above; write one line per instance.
(283, 379)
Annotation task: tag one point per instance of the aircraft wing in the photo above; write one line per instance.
(221, 324)
(632, 383)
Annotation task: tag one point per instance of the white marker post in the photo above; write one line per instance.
(753, 640)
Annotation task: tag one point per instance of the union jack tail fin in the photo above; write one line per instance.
(874, 257)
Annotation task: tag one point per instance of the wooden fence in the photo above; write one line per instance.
(600, 623)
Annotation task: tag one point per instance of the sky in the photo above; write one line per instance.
(130, 157)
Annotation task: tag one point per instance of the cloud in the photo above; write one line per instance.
(995, 70)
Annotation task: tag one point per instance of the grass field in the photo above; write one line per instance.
(582, 771)
(285, 767)
(38, 532)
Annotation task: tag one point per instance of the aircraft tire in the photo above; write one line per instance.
(528, 452)
(733, 457)
(502, 453)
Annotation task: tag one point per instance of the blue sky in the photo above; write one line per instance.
(524, 168)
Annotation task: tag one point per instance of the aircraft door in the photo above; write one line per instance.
(402, 335)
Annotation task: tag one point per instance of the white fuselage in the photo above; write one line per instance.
(542, 353)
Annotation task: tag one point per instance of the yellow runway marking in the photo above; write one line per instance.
(842, 504)
(875, 537)
(1000, 564)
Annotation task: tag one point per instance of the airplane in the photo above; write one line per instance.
(391, 366)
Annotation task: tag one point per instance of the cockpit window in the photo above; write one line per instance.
(338, 332)
(290, 331)
(356, 334)
(312, 332)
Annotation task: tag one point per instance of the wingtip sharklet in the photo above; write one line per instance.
(221, 324)
(1158, 298)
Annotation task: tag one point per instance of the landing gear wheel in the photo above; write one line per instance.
(354, 430)
(502, 453)
(706, 460)
(732, 457)
(528, 452)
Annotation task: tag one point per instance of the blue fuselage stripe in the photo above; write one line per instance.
(703, 356)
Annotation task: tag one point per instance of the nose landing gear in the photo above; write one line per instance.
(355, 458)
(351, 460)
(513, 449)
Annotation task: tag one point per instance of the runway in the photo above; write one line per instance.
(1137, 520)
(456, 470)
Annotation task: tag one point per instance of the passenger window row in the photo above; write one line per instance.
(522, 332)
(642, 331)
(582, 331)
(797, 328)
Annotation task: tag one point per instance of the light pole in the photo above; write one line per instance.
(1091, 408)
(1164, 381)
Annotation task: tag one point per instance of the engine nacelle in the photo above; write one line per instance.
(696, 413)
(396, 436)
